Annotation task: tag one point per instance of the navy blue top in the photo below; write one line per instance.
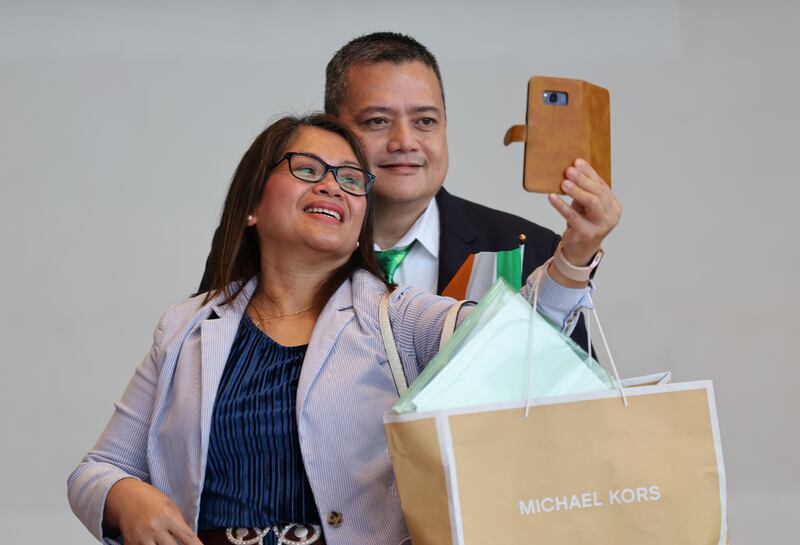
(255, 475)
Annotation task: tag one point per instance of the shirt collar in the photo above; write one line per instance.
(425, 231)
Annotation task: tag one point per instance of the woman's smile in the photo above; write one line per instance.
(325, 212)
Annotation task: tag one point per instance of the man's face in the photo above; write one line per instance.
(397, 112)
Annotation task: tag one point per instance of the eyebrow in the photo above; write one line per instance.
(346, 163)
(426, 109)
(385, 110)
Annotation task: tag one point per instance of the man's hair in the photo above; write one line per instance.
(372, 49)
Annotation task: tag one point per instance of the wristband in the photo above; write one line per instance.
(578, 274)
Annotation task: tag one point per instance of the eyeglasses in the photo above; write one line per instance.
(311, 168)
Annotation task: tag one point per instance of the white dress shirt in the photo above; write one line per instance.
(420, 268)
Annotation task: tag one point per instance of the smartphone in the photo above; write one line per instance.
(566, 119)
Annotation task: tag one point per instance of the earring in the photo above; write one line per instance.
(251, 219)
(357, 245)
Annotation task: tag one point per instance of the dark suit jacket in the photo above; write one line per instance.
(468, 228)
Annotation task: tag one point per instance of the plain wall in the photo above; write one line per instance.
(121, 123)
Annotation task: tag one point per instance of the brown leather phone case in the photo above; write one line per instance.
(557, 134)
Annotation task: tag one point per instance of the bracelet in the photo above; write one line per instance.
(578, 274)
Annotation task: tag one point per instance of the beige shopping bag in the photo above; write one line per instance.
(581, 469)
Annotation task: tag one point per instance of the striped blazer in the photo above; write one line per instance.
(160, 428)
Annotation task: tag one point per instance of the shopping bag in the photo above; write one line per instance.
(580, 469)
(638, 464)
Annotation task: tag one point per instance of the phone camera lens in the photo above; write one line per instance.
(553, 98)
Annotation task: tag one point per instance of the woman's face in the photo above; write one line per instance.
(298, 217)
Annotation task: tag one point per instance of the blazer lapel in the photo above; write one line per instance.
(456, 236)
(336, 314)
(216, 338)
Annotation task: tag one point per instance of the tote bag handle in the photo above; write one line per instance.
(533, 299)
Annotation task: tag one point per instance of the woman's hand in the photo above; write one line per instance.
(591, 216)
(145, 516)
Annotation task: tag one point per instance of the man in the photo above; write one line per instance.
(388, 89)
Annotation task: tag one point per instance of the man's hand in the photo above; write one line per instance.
(594, 212)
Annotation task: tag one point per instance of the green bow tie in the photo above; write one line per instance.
(389, 260)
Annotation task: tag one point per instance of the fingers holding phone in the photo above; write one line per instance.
(592, 214)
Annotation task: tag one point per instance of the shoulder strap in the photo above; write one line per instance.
(391, 348)
(450, 322)
(393, 355)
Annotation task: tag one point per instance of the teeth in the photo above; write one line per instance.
(324, 211)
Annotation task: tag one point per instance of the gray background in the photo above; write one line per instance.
(121, 123)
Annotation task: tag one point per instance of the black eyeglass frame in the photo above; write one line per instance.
(328, 168)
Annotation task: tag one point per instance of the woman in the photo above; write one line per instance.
(259, 404)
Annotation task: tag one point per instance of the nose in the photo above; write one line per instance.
(328, 186)
(401, 137)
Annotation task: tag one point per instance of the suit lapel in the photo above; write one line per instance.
(456, 237)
